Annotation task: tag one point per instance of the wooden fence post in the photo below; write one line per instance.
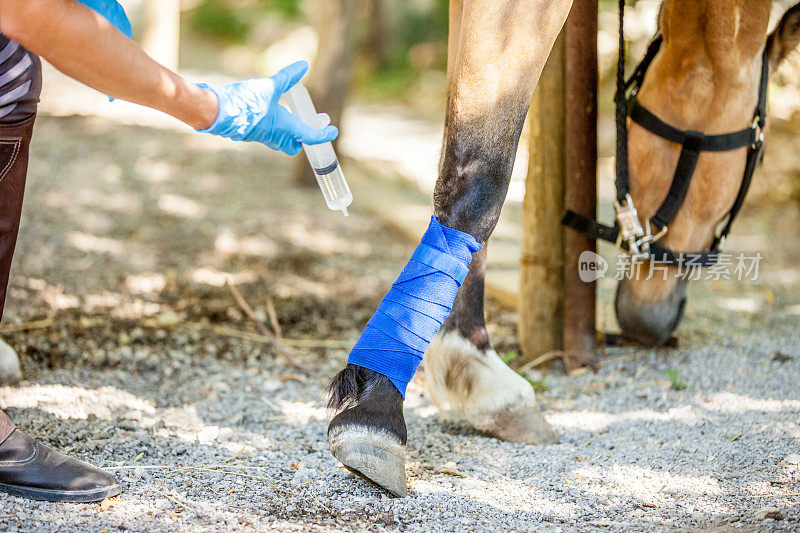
(580, 32)
(557, 309)
(542, 264)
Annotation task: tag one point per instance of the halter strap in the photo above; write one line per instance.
(754, 155)
(692, 144)
(621, 112)
(708, 143)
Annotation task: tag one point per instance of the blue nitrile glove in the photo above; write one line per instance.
(112, 12)
(249, 111)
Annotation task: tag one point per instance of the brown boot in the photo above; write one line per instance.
(33, 470)
(14, 142)
(28, 468)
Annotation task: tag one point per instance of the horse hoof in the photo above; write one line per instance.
(524, 423)
(378, 457)
(475, 387)
(10, 371)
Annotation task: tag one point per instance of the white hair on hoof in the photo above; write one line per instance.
(477, 388)
(10, 370)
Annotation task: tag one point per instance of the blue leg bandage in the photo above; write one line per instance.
(416, 306)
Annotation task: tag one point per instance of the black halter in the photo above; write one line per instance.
(627, 232)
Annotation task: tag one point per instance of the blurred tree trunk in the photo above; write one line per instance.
(161, 35)
(378, 41)
(329, 79)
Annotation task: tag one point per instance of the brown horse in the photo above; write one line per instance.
(704, 78)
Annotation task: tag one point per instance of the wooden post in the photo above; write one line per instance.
(542, 265)
(580, 32)
(161, 35)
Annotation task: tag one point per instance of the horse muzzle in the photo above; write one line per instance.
(647, 320)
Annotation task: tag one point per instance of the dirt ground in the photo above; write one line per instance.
(134, 360)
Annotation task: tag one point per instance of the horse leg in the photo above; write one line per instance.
(491, 85)
(470, 384)
(497, 52)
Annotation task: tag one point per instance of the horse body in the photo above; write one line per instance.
(705, 78)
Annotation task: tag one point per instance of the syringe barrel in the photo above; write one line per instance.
(334, 187)
(322, 157)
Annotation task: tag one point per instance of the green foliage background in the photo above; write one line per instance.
(414, 22)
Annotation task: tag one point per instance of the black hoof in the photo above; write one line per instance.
(369, 434)
(378, 457)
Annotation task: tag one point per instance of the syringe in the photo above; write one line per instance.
(321, 156)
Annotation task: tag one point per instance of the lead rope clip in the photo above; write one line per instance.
(631, 230)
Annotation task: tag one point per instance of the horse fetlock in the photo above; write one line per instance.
(475, 387)
(368, 434)
(10, 370)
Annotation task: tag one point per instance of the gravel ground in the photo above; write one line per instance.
(126, 240)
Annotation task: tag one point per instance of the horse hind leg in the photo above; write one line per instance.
(469, 383)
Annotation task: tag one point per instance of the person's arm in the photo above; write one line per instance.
(86, 47)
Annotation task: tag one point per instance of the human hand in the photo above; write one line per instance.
(249, 111)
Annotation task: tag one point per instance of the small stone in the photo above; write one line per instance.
(271, 385)
(168, 318)
(107, 504)
(792, 459)
(10, 370)
(163, 503)
(127, 425)
(208, 434)
(302, 475)
(225, 434)
(766, 513)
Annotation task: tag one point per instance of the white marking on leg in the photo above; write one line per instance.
(470, 385)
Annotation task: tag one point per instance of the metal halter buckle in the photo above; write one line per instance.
(632, 232)
(758, 132)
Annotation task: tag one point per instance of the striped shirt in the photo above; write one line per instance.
(20, 81)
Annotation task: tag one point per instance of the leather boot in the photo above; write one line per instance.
(15, 139)
(28, 468)
(32, 470)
